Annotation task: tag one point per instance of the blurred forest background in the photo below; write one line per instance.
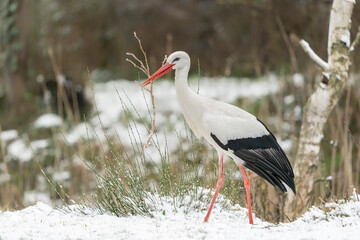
(43, 39)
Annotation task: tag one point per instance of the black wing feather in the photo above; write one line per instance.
(264, 156)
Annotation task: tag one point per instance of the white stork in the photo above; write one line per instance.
(232, 131)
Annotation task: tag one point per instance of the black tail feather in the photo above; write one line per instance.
(264, 156)
(268, 171)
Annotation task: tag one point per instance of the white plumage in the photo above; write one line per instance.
(230, 130)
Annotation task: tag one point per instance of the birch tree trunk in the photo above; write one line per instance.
(320, 104)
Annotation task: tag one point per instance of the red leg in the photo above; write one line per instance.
(219, 185)
(247, 187)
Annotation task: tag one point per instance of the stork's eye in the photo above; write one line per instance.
(176, 59)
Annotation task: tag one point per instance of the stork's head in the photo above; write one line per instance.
(179, 60)
(176, 60)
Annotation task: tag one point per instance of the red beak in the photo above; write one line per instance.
(167, 67)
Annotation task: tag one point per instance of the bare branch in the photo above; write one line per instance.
(355, 42)
(324, 65)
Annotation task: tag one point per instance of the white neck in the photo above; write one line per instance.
(181, 82)
(188, 99)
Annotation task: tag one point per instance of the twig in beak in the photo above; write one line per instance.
(144, 53)
(164, 61)
(154, 114)
(145, 69)
(139, 67)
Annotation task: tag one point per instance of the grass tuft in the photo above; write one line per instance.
(128, 183)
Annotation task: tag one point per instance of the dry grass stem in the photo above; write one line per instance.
(351, 136)
(287, 43)
(281, 210)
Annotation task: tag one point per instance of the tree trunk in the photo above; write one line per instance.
(320, 104)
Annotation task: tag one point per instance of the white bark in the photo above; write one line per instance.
(324, 65)
(320, 104)
(339, 26)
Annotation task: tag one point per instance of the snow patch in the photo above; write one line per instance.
(82, 130)
(329, 178)
(19, 150)
(61, 176)
(32, 197)
(326, 74)
(298, 80)
(289, 99)
(39, 144)
(345, 38)
(8, 135)
(298, 112)
(48, 120)
(5, 177)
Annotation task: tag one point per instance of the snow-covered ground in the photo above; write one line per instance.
(41, 221)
